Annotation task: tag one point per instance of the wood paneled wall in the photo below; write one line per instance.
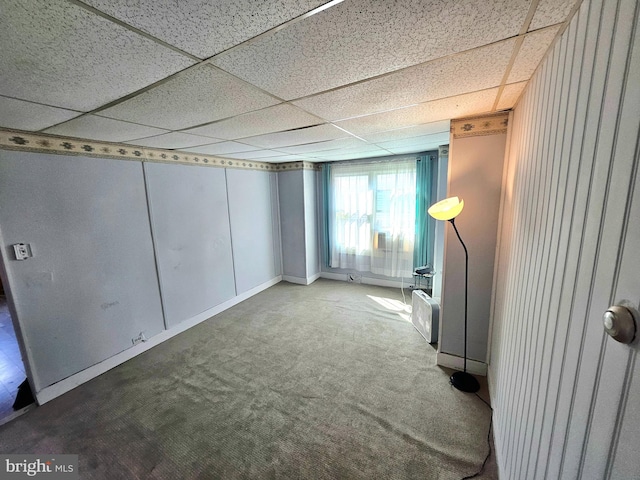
(568, 190)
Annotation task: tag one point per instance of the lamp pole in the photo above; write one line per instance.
(463, 380)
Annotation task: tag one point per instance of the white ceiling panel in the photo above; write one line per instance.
(254, 154)
(447, 108)
(510, 95)
(268, 120)
(350, 151)
(347, 142)
(297, 137)
(473, 70)
(535, 45)
(416, 144)
(172, 140)
(221, 148)
(106, 129)
(443, 126)
(57, 53)
(199, 95)
(205, 27)
(355, 156)
(359, 39)
(281, 80)
(550, 12)
(29, 116)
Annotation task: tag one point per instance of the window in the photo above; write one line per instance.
(372, 216)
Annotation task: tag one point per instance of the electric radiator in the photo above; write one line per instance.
(425, 315)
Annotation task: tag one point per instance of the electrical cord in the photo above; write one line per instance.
(486, 459)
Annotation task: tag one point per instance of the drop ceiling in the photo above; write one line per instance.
(275, 81)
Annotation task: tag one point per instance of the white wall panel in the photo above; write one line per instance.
(252, 237)
(292, 221)
(311, 222)
(91, 285)
(475, 175)
(190, 220)
(560, 388)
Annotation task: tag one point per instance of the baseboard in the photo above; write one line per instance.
(301, 280)
(457, 363)
(366, 280)
(334, 276)
(63, 386)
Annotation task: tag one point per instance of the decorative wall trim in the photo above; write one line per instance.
(42, 143)
(490, 124)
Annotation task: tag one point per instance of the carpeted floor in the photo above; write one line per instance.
(327, 381)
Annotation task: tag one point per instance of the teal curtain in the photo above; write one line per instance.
(326, 210)
(425, 225)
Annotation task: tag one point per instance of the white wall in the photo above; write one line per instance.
(564, 395)
(190, 224)
(299, 224)
(103, 232)
(475, 175)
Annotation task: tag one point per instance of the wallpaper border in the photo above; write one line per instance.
(489, 124)
(43, 143)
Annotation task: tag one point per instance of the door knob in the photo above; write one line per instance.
(619, 324)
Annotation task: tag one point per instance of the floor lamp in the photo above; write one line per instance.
(449, 209)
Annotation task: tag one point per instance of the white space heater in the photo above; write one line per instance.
(425, 315)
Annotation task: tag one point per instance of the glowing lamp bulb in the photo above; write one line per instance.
(446, 209)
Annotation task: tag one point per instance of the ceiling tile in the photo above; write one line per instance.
(322, 146)
(254, 155)
(57, 53)
(99, 128)
(352, 152)
(199, 95)
(510, 95)
(268, 120)
(31, 116)
(359, 39)
(172, 140)
(416, 144)
(466, 72)
(205, 27)
(533, 48)
(355, 156)
(447, 108)
(297, 137)
(221, 148)
(443, 126)
(550, 12)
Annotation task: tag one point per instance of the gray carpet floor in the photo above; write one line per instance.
(326, 381)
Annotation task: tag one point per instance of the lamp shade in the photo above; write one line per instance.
(446, 209)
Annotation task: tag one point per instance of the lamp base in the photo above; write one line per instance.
(465, 382)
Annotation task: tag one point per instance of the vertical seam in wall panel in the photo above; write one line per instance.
(524, 300)
(522, 303)
(543, 254)
(631, 364)
(233, 256)
(514, 263)
(571, 303)
(622, 237)
(564, 241)
(524, 160)
(551, 266)
(154, 244)
(593, 268)
(534, 264)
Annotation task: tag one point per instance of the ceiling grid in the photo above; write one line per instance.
(279, 81)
